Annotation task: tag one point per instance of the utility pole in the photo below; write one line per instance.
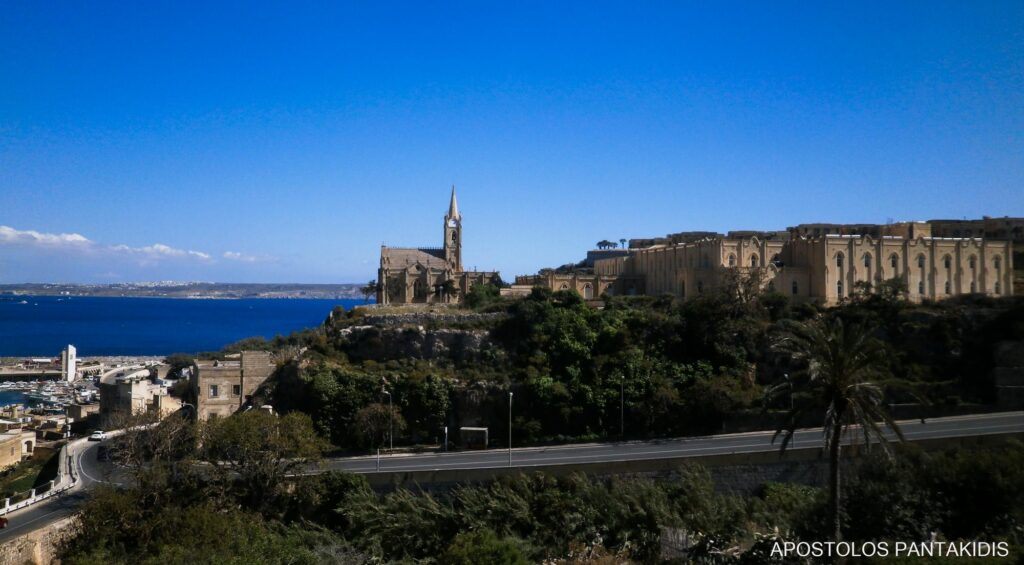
(391, 422)
(622, 406)
(510, 428)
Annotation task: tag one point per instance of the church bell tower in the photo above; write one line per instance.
(453, 235)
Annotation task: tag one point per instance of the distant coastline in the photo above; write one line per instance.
(196, 290)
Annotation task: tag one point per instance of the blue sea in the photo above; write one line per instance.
(43, 325)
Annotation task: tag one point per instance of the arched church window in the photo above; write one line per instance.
(947, 262)
(973, 262)
(563, 287)
(920, 287)
(753, 260)
(867, 260)
(949, 288)
(839, 289)
(732, 260)
(998, 287)
(974, 287)
(839, 260)
(920, 261)
(997, 263)
(454, 236)
(894, 262)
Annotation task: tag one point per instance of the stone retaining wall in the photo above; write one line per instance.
(39, 547)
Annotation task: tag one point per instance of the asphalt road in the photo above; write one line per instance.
(94, 472)
(86, 466)
(999, 423)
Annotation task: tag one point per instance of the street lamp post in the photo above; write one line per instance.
(791, 405)
(510, 428)
(391, 424)
(622, 406)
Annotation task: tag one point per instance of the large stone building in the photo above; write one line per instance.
(409, 275)
(221, 388)
(821, 263)
(131, 391)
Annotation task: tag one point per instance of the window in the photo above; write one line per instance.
(732, 260)
(998, 288)
(839, 289)
(214, 391)
(867, 260)
(997, 263)
(753, 260)
(796, 288)
(700, 287)
(920, 287)
(974, 287)
(947, 263)
(839, 261)
(236, 390)
(588, 291)
(973, 262)
(949, 288)
(894, 262)
(920, 261)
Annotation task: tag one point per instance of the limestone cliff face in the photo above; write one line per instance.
(376, 343)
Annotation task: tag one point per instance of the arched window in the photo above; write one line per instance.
(947, 262)
(839, 260)
(894, 262)
(453, 237)
(974, 287)
(753, 260)
(563, 287)
(920, 287)
(973, 262)
(796, 288)
(588, 291)
(998, 288)
(949, 288)
(839, 289)
(997, 263)
(732, 260)
(920, 261)
(867, 260)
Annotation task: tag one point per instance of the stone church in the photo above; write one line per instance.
(426, 275)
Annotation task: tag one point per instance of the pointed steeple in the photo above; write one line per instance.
(453, 207)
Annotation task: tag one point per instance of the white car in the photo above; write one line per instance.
(98, 435)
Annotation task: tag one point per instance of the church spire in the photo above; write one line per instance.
(453, 207)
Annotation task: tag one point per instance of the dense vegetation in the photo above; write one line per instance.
(648, 366)
(185, 516)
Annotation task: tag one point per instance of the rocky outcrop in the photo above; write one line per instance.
(384, 343)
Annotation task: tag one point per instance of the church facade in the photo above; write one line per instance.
(426, 275)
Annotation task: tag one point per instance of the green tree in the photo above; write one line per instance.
(375, 421)
(844, 369)
(370, 290)
(260, 449)
(482, 546)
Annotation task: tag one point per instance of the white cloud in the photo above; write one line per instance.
(148, 253)
(11, 236)
(245, 258)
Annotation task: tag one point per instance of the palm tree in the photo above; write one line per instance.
(623, 242)
(844, 375)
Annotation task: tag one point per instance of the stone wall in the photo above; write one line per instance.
(39, 547)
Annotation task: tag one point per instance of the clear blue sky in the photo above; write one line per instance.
(286, 142)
